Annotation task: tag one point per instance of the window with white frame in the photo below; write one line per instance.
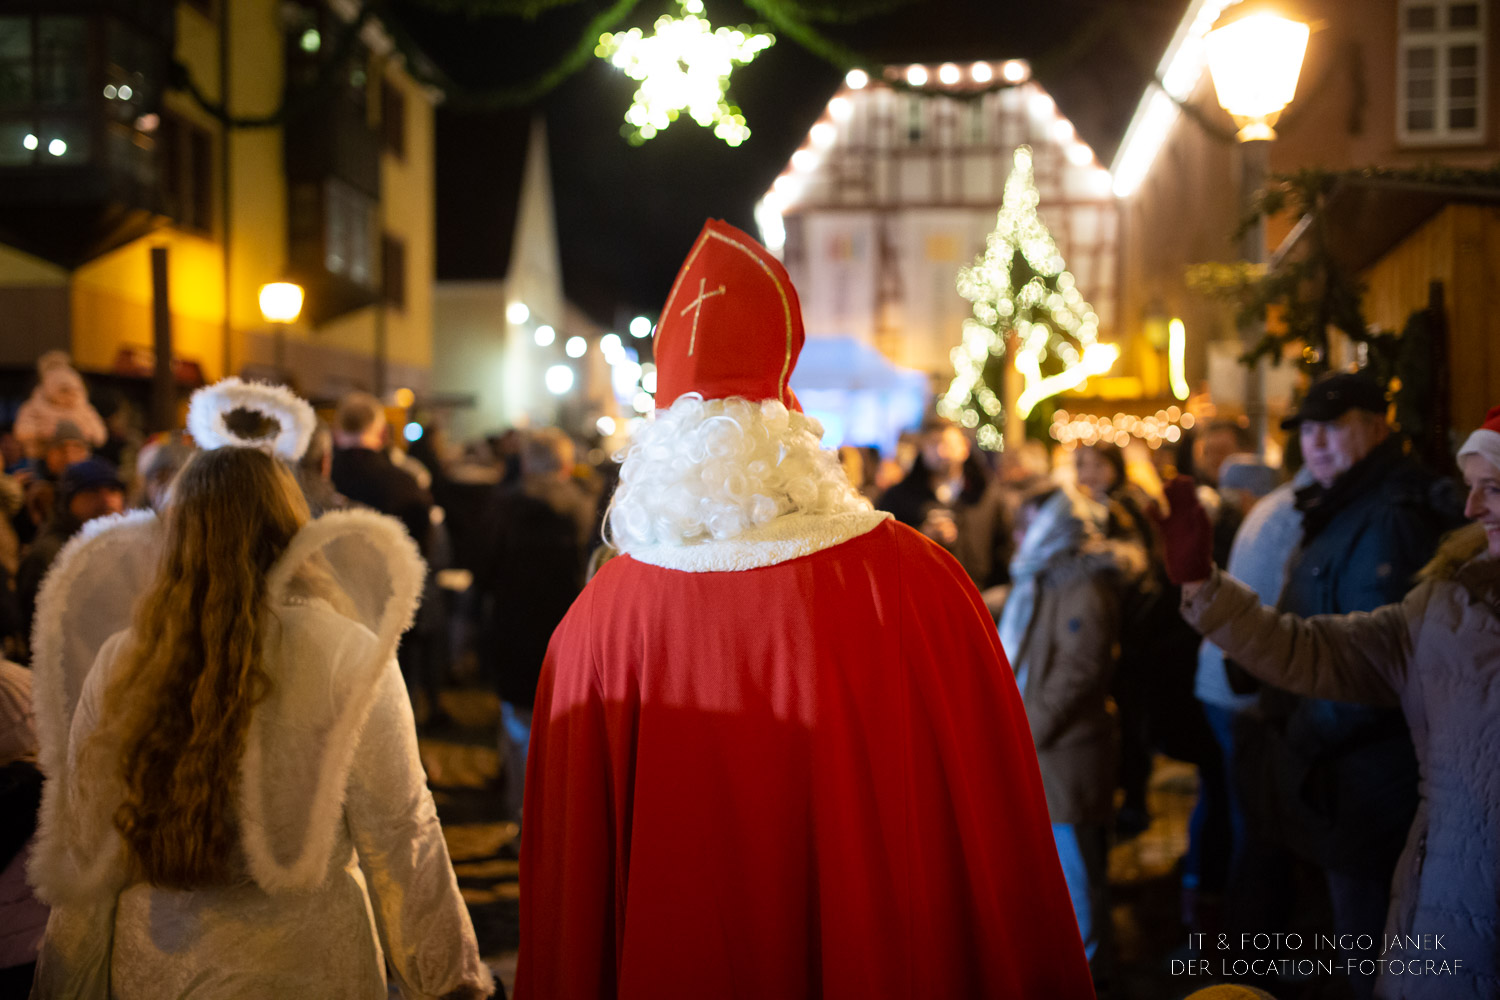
(1441, 66)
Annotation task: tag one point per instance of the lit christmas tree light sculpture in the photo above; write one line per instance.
(1020, 286)
(684, 66)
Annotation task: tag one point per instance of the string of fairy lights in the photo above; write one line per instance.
(1163, 427)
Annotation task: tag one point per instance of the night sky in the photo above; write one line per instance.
(626, 215)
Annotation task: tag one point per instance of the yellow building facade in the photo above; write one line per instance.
(323, 176)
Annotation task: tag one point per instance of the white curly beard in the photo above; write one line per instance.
(713, 470)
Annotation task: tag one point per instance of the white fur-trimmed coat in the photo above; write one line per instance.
(344, 865)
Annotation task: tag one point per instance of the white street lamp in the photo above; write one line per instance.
(1254, 56)
(280, 305)
(559, 379)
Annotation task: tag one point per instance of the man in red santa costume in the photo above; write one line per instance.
(777, 752)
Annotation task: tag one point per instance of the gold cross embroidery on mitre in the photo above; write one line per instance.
(697, 306)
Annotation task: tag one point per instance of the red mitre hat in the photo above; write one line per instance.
(732, 325)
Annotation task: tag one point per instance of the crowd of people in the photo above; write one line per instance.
(839, 724)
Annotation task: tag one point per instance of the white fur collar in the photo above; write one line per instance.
(788, 537)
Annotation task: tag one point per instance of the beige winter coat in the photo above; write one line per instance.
(1069, 652)
(1437, 656)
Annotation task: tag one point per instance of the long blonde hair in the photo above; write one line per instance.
(194, 673)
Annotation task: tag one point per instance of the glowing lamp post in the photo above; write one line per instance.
(1255, 56)
(280, 305)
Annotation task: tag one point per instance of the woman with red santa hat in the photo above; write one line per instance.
(776, 750)
(1436, 655)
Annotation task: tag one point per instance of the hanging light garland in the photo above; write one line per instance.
(683, 67)
(1020, 284)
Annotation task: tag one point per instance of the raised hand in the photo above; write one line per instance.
(1187, 535)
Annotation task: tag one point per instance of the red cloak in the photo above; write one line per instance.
(810, 779)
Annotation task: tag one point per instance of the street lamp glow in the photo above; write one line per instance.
(640, 327)
(1254, 58)
(948, 74)
(823, 134)
(559, 379)
(517, 313)
(857, 79)
(280, 302)
(30, 142)
(981, 72)
(916, 75)
(610, 343)
(544, 336)
(576, 347)
(1015, 70)
(606, 425)
(57, 147)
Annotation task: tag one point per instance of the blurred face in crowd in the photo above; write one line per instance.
(61, 454)
(1024, 516)
(1483, 505)
(1214, 447)
(10, 449)
(944, 451)
(1095, 474)
(89, 504)
(854, 465)
(1331, 447)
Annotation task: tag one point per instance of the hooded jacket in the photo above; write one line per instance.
(1066, 659)
(1436, 656)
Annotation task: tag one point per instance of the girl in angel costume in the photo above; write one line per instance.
(234, 803)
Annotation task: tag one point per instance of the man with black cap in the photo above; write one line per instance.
(1343, 776)
(86, 490)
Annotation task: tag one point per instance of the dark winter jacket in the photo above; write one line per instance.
(367, 477)
(1346, 775)
(984, 544)
(532, 574)
(1435, 657)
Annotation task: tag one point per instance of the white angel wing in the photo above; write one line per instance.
(349, 585)
(87, 597)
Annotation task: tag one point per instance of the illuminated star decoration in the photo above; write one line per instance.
(1019, 284)
(684, 66)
